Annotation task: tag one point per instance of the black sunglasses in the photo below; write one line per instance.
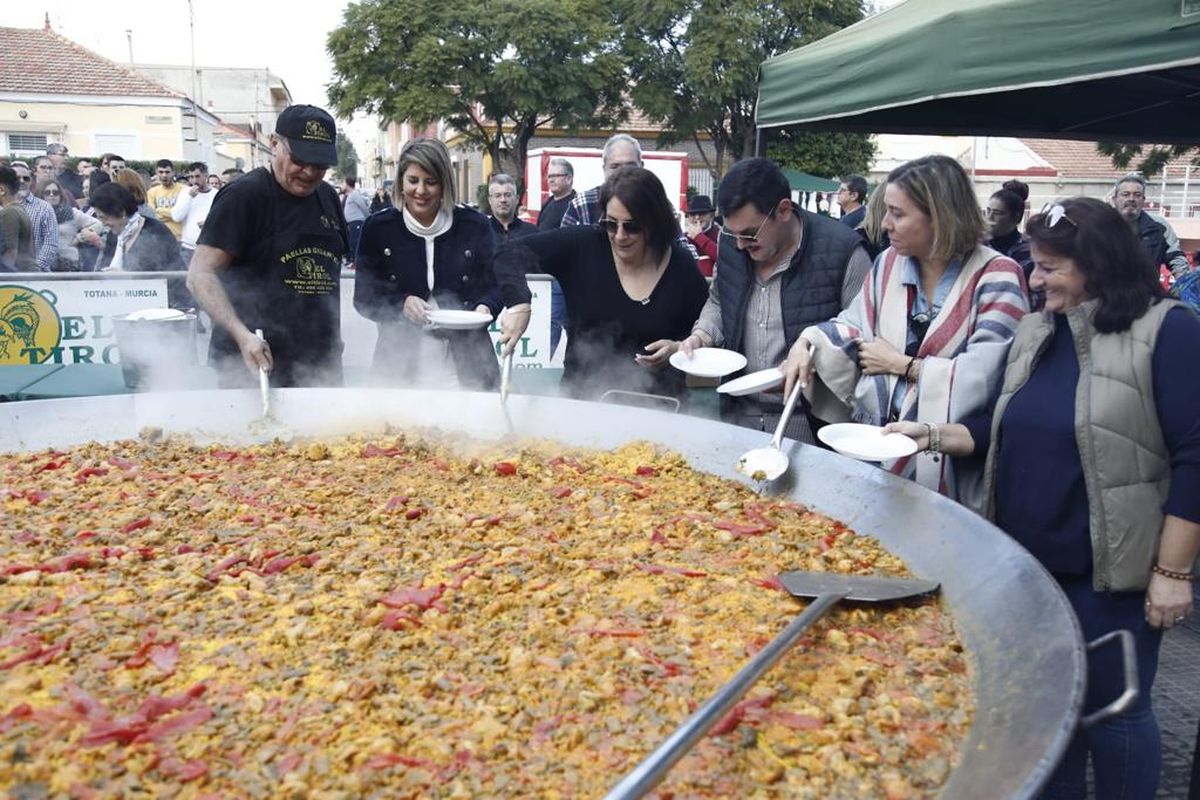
(613, 225)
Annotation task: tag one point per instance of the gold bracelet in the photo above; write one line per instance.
(1172, 574)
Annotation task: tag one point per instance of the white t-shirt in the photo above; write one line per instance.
(192, 211)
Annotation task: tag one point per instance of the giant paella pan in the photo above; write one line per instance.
(1027, 655)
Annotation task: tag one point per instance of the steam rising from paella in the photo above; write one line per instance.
(353, 616)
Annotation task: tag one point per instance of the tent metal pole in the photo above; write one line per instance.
(1183, 204)
(761, 136)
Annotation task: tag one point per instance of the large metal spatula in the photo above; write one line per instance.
(268, 427)
(828, 590)
(506, 365)
(768, 463)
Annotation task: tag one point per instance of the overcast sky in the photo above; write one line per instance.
(229, 33)
(289, 39)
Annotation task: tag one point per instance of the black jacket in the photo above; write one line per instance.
(155, 250)
(390, 266)
(812, 285)
(1154, 239)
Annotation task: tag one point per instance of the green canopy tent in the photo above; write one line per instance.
(803, 182)
(1120, 70)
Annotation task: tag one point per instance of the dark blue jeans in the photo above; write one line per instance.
(355, 230)
(558, 315)
(1126, 751)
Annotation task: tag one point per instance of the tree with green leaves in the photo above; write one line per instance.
(694, 65)
(829, 155)
(1152, 158)
(347, 156)
(496, 70)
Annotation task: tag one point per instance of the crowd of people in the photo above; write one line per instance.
(53, 223)
(1044, 373)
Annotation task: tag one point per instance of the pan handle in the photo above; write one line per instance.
(614, 395)
(1130, 695)
(653, 769)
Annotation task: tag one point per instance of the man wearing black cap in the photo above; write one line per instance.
(702, 231)
(269, 256)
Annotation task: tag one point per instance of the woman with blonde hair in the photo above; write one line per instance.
(135, 184)
(427, 254)
(870, 230)
(926, 338)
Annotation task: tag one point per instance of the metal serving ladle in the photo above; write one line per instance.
(768, 463)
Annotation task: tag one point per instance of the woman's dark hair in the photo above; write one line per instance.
(96, 179)
(65, 210)
(1117, 270)
(1013, 195)
(114, 200)
(640, 191)
(9, 179)
(753, 180)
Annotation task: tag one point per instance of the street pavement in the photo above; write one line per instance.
(1177, 705)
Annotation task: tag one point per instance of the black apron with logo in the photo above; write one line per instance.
(294, 296)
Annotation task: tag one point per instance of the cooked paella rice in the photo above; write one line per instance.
(404, 617)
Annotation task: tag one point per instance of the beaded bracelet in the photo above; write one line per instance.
(1177, 576)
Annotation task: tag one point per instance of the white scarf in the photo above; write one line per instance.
(441, 224)
(132, 228)
(429, 362)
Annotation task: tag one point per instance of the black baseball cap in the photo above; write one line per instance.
(310, 133)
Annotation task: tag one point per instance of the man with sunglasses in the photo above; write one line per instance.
(560, 179)
(41, 215)
(269, 256)
(779, 269)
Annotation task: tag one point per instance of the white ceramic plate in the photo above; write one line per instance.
(455, 320)
(708, 362)
(866, 442)
(154, 313)
(753, 383)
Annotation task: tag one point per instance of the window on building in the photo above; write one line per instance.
(27, 144)
(124, 144)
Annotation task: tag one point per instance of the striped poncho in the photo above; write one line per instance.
(963, 358)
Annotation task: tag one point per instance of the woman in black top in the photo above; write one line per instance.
(631, 289)
(381, 200)
(1005, 210)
